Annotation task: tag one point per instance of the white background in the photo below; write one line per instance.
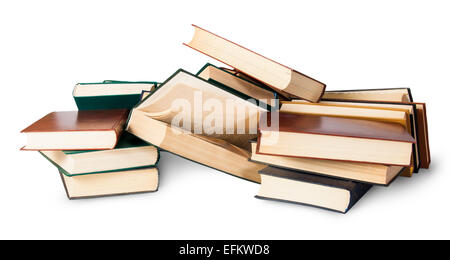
(48, 46)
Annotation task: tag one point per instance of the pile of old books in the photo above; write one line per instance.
(258, 120)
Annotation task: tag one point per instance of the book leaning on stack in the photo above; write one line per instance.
(256, 119)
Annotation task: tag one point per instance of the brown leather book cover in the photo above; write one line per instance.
(87, 120)
(424, 144)
(338, 126)
(421, 125)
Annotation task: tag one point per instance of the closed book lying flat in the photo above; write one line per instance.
(376, 174)
(129, 153)
(419, 124)
(284, 80)
(402, 114)
(153, 121)
(335, 138)
(110, 94)
(76, 130)
(111, 183)
(397, 97)
(307, 189)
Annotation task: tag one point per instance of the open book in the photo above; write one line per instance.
(205, 123)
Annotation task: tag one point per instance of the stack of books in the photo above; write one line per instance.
(257, 120)
(89, 147)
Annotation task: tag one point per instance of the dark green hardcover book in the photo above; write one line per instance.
(111, 183)
(110, 94)
(129, 153)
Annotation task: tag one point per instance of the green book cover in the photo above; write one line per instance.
(126, 140)
(127, 101)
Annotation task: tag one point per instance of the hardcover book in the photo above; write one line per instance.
(403, 115)
(129, 153)
(225, 150)
(392, 96)
(110, 94)
(111, 183)
(419, 124)
(334, 138)
(307, 189)
(376, 174)
(284, 80)
(76, 130)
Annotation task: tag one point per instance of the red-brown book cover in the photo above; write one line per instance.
(79, 121)
(335, 126)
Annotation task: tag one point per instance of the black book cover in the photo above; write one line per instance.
(357, 190)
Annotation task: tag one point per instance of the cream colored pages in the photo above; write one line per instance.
(383, 106)
(193, 147)
(385, 115)
(201, 108)
(241, 58)
(392, 95)
(374, 173)
(308, 193)
(83, 90)
(167, 119)
(111, 183)
(271, 73)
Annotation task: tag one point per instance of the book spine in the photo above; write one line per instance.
(357, 193)
(107, 102)
(119, 127)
